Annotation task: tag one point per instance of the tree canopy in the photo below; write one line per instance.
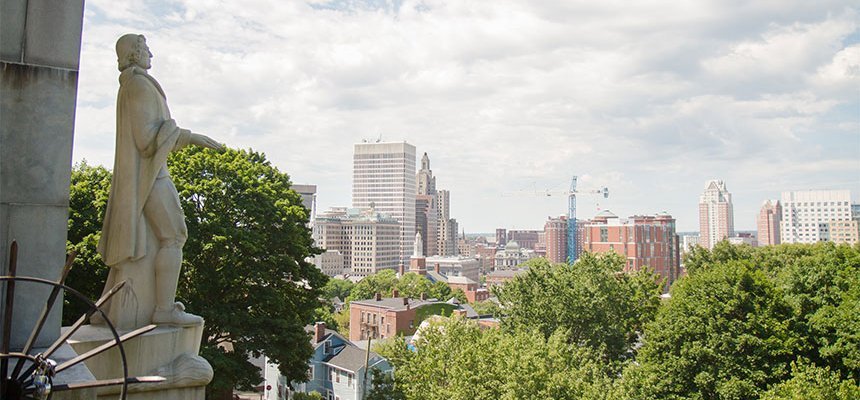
(592, 300)
(244, 268)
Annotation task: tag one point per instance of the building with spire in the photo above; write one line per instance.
(716, 215)
(426, 208)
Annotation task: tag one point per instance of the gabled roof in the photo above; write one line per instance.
(350, 358)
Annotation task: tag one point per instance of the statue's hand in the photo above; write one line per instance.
(205, 141)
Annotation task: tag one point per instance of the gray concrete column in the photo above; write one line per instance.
(40, 43)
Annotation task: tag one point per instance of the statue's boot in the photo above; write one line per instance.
(167, 264)
(176, 316)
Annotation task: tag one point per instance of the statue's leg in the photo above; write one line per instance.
(165, 216)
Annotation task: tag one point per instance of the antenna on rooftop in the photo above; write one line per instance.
(379, 138)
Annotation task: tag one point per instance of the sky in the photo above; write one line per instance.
(650, 99)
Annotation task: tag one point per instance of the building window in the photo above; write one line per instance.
(349, 380)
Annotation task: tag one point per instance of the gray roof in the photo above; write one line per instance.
(434, 276)
(392, 303)
(351, 358)
(506, 273)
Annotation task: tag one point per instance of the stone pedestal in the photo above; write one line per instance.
(168, 351)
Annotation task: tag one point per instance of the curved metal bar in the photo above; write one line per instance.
(46, 310)
(7, 316)
(92, 306)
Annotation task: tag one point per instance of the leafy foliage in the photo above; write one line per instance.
(248, 242)
(340, 288)
(247, 245)
(592, 300)
(409, 285)
(382, 387)
(725, 334)
(809, 382)
(457, 360)
(307, 396)
(88, 197)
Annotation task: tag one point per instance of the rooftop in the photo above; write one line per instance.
(392, 303)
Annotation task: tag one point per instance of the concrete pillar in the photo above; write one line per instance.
(40, 43)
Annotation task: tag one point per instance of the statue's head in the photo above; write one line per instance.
(131, 49)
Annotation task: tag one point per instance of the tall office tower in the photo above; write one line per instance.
(446, 242)
(309, 200)
(807, 216)
(501, 236)
(383, 175)
(555, 231)
(426, 208)
(427, 222)
(716, 216)
(769, 219)
(426, 181)
(453, 227)
(645, 241)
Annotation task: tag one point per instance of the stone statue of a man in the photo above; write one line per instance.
(143, 201)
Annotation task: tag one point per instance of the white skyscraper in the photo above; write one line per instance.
(716, 214)
(383, 175)
(807, 216)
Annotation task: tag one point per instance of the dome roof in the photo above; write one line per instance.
(605, 214)
(512, 245)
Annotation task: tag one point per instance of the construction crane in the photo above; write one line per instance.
(571, 213)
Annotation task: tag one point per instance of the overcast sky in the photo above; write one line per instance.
(648, 98)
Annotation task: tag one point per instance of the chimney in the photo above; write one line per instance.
(423, 296)
(378, 296)
(460, 313)
(405, 301)
(436, 268)
(319, 332)
(395, 293)
(402, 269)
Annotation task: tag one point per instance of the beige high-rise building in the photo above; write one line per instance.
(367, 240)
(769, 219)
(446, 241)
(716, 215)
(383, 177)
(811, 216)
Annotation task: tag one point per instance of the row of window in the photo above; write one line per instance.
(335, 374)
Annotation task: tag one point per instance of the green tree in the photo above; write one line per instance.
(725, 334)
(413, 285)
(340, 288)
(381, 282)
(88, 194)
(247, 245)
(248, 241)
(382, 387)
(457, 360)
(809, 382)
(307, 396)
(598, 305)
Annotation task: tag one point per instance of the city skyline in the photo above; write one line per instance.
(761, 97)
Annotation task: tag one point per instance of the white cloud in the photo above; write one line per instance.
(649, 98)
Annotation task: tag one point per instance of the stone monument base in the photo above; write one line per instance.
(167, 351)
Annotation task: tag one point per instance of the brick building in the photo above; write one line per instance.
(644, 240)
(555, 231)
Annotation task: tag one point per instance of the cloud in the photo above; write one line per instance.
(649, 98)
